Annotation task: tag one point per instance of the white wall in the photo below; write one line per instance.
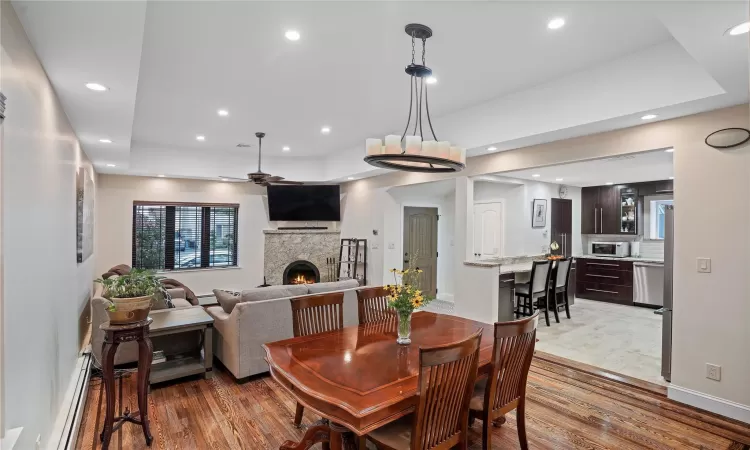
(517, 198)
(45, 290)
(114, 222)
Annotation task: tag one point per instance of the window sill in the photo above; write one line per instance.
(200, 269)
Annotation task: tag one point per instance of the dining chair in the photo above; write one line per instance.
(535, 293)
(372, 305)
(559, 284)
(504, 389)
(446, 381)
(314, 314)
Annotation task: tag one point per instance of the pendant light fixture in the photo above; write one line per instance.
(410, 152)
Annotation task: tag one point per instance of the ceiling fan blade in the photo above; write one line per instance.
(286, 182)
(232, 178)
(274, 178)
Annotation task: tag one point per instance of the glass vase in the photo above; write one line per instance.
(404, 328)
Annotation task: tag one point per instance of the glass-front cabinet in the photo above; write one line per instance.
(628, 216)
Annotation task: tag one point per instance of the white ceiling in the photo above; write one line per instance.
(634, 168)
(504, 78)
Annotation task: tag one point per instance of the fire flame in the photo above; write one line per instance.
(300, 279)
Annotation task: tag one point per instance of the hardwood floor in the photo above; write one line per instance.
(570, 406)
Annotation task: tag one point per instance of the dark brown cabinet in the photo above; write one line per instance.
(605, 280)
(599, 210)
(562, 225)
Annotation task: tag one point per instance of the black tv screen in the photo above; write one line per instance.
(304, 203)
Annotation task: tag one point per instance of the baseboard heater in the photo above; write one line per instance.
(303, 228)
(69, 433)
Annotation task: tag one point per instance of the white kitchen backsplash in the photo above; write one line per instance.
(652, 249)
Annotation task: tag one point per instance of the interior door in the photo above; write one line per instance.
(562, 225)
(488, 230)
(420, 245)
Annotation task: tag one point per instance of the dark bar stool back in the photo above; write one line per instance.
(561, 285)
(536, 292)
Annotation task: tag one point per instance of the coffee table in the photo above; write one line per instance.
(197, 361)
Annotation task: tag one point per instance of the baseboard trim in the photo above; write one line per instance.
(64, 435)
(445, 297)
(716, 405)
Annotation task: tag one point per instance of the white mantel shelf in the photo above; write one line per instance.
(301, 232)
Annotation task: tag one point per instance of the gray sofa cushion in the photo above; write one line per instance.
(271, 292)
(319, 288)
(227, 299)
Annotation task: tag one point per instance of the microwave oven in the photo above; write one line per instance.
(613, 249)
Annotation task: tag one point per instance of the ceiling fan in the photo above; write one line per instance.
(261, 178)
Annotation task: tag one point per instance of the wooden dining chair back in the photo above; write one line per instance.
(314, 314)
(372, 305)
(446, 381)
(505, 388)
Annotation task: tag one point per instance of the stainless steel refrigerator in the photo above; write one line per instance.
(666, 329)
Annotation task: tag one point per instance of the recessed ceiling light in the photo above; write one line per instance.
(285, 148)
(536, 175)
(160, 176)
(325, 130)
(105, 141)
(222, 112)
(200, 137)
(431, 80)
(556, 23)
(558, 179)
(491, 149)
(649, 117)
(96, 87)
(669, 150)
(350, 178)
(609, 183)
(739, 29)
(292, 35)
(111, 165)
(671, 178)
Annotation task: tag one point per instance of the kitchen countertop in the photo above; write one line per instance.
(629, 258)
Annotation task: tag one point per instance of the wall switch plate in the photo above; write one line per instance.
(713, 372)
(391, 246)
(374, 246)
(704, 265)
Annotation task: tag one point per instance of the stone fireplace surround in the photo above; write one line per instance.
(283, 247)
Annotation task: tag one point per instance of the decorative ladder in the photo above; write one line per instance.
(352, 257)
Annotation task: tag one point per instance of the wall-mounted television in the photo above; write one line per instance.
(304, 203)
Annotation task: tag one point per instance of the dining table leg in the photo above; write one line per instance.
(342, 438)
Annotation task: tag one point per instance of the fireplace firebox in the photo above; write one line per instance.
(301, 272)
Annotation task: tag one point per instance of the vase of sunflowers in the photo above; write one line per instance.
(404, 297)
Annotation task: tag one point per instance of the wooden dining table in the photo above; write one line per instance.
(358, 378)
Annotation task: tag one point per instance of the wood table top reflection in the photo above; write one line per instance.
(359, 376)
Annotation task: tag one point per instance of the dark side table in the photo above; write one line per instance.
(114, 335)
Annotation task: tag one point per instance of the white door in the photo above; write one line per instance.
(488, 230)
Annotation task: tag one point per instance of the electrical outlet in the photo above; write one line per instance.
(713, 372)
(391, 246)
(374, 246)
(704, 265)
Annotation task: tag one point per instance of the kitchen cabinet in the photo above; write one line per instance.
(628, 210)
(600, 210)
(605, 280)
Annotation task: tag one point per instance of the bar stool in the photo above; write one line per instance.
(561, 277)
(536, 292)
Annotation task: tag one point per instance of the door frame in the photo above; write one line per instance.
(502, 222)
(417, 204)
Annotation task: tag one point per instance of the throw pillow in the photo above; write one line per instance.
(227, 299)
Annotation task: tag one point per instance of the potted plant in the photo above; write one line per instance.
(132, 295)
(404, 297)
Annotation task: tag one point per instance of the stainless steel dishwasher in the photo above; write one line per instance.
(648, 284)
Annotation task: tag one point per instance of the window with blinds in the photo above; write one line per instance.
(177, 236)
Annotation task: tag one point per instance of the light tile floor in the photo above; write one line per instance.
(623, 339)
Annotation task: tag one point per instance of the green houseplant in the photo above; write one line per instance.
(404, 298)
(132, 295)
